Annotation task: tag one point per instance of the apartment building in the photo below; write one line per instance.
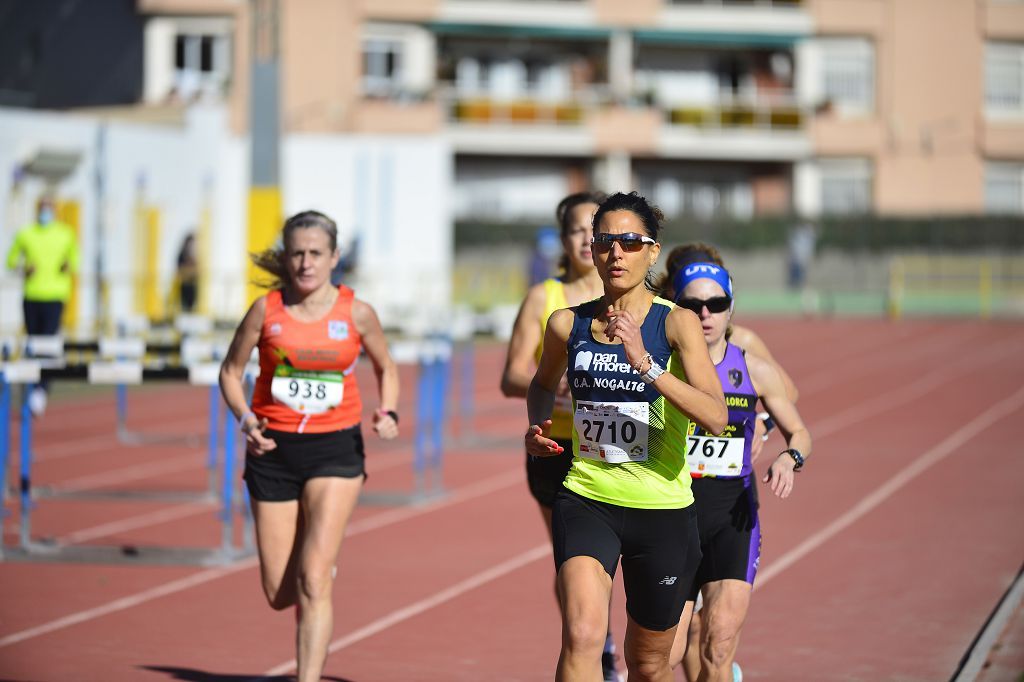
(735, 107)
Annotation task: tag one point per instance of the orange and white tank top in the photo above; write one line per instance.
(307, 382)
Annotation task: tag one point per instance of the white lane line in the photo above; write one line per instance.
(1000, 410)
(474, 490)
(436, 599)
(895, 354)
(134, 472)
(888, 399)
(135, 522)
(184, 511)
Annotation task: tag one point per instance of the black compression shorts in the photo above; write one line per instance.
(730, 532)
(659, 550)
(279, 475)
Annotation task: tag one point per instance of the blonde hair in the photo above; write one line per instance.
(272, 260)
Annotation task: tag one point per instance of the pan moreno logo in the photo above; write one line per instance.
(583, 361)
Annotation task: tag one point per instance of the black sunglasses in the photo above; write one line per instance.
(629, 241)
(718, 304)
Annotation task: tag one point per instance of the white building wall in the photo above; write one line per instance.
(395, 192)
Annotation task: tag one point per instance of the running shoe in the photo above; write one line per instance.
(37, 401)
(737, 672)
(608, 668)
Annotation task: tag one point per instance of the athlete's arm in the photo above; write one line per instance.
(384, 366)
(700, 396)
(540, 398)
(745, 338)
(232, 370)
(772, 390)
(519, 362)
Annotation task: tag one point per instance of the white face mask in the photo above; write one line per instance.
(45, 216)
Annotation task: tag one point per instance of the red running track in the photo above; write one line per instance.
(898, 542)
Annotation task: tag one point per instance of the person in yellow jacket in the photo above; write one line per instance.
(47, 252)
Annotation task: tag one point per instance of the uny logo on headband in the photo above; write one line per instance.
(702, 268)
(701, 271)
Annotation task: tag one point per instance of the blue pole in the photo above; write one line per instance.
(468, 384)
(26, 467)
(422, 418)
(228, 483)
(213, 439)
(122, 407)
(5, 449)
(442, 371)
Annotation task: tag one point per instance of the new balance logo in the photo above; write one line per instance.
(668, 580)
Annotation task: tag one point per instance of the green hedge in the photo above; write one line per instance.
(860, 233)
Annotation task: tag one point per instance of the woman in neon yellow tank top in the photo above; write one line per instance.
(639, 372)
(578, 282)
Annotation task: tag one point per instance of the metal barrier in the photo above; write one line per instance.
(223, 449)
(433, 356)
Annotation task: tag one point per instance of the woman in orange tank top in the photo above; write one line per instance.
(304, 447)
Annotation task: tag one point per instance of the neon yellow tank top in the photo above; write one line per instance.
(600, 375)
(561, 415)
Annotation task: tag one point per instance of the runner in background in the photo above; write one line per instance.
(304, 462)
(724, 485)
(579, 282)
(744, 337)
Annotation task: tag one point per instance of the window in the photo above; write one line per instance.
(1004, 79)
(848, 75)
(1004, 188)
(845, 186)
(201, 64)
(382, 67)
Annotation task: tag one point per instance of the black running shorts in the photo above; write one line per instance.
(659, 550)
(546, 474)
(279, 475)
(730, 532)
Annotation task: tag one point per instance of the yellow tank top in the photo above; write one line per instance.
(561, 415)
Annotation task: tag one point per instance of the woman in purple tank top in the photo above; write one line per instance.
(724, 484)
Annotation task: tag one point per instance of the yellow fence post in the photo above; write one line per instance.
(985, 287)
(69, 212)
(154, 302)
(264, 226)
(897, 274)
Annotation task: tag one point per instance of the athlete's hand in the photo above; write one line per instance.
(621, 325)
(384, 424)
(780, 475)
(255, 442)
(537, 442)
(757, 444)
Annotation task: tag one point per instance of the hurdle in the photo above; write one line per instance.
(29, 373)
(433, 356)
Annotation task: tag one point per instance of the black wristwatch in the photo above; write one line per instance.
(797, 457)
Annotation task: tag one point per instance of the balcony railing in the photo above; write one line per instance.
(529, 108)
(739, 3)
(777, 112)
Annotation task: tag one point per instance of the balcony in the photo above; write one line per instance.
(780, 112)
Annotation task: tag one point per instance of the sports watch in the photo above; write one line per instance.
(652, 373)
(797, 457)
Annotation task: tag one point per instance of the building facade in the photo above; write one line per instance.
(710, 107)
